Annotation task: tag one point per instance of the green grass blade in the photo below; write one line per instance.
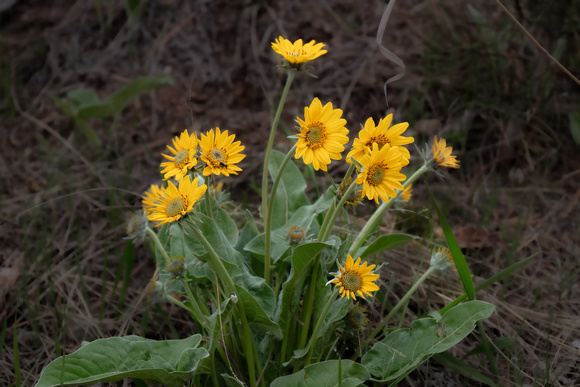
(458, 258)
(499, 276)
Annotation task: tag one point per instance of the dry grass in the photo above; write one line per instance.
(471, 76)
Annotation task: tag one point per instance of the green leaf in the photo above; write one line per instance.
(223, 220)
(113, 104)
(302, 258)
(404, 349)
(256, 314)
(385, 242)
(82, 98)
(458, 258)
(330, 373)
(290, 193)
(303, 217)
(169, 362)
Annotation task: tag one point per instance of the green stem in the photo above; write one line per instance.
(198, 313)
(318, 325)
(268, 226)
(208, 198)
(325, 229)
(155, 238)
(380, 211)
(247, 339)
(308, 304)
(401, 302)
(337, 211)
(271, 142)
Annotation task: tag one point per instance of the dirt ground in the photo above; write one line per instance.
(66, 274)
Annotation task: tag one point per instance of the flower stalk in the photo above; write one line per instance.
(267, 160)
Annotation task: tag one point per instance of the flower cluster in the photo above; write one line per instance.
(219, 154)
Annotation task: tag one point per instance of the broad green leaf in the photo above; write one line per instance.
(82, 98)
(303, 217)
(256, 314)
(169, 362)
(223, 220)
(404, 349)
(385, 242)
(231, 258)
(290, 193)
(330, 373)
(114, 103)
(302, 258)
(458, 258)
(218, 320)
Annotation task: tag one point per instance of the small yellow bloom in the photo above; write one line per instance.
(184, 151)
(442, 259)
(381, 135)
(442, 154)
(381, 172)
(295, 235)
(297, 53)
(220, 153)
(355, 279)
(322, 135)
(171, 203)
(407, 193)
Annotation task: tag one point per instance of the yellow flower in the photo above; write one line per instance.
(380, 175)
(220, 153)
(150, 198)
(355, 279)
(380, 134)
(322, 135)
(295, 235)
(406, 194)
(297, 53)
(184, 151)
(171, 203)
(442, 154)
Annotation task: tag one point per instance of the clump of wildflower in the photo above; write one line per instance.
(442, 259)
(297, 53)
(136, 227)
(355, 196)
(295, 235)
(442, 154)
(184, 156)
(220, 153)
(166, 205)
(176, 266)
(380, 134)
(322, 135)
(355, 278)
(381, 172)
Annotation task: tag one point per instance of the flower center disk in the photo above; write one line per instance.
(352, 281)
(315, 134)
(175, 207)
(376, 176)
(181, 157)
(217, 155)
